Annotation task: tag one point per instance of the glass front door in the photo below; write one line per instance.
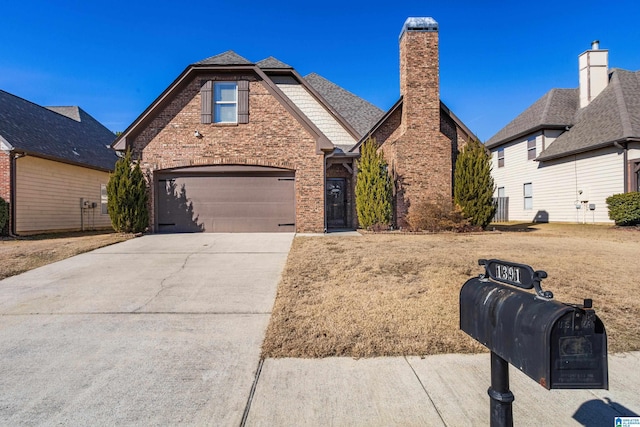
(336, 206)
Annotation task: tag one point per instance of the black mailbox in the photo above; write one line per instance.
(558, 345)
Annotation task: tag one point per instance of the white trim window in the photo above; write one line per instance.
(225, 102)
(104, 199)
(528, 196)
(500, 157)
(531, 148)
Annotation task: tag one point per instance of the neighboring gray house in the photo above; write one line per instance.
(54, 167)
(563, 156)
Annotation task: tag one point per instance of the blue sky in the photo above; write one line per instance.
(113, 58)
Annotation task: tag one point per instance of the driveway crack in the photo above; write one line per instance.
(162, 283)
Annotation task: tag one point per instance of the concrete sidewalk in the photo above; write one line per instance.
(443, 390)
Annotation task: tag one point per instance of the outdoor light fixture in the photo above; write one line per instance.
(197, 134)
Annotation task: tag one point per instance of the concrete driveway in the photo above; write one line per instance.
(162, 329)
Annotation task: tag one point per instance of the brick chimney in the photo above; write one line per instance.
(419, 72)
(423, 155)
(594, 73)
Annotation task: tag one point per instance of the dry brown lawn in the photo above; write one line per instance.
(26, 253)
(394, 294)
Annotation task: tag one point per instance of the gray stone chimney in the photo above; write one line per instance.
(594, 73)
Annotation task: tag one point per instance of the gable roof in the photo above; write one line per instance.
(555, 110)
(66, 134)
(226, 58)
(350, 111)
(272, 62)
(73, 112)
(398, 106)
(360, 114)
(614, 115)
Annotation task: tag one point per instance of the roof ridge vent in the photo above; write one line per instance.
(423, 24)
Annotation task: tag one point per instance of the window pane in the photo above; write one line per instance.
(225, 113)
(528, 203)
(528, 190)
(103, 199)
(531, 144)
(501, 192)
(225, 92)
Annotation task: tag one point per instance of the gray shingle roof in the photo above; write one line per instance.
(272, 62)
(226, 58)
(73, 112)
(37, 130)
(556, 109)
(613, 115)
(360, 114)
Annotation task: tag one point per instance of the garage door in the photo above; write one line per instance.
(226, 199)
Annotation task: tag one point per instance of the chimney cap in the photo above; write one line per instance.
(595, 45)
(419, 24)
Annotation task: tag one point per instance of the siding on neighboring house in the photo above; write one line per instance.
(556, 183)
(48, 196)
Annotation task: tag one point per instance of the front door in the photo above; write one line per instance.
(336, 206)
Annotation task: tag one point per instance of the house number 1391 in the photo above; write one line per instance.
(505, 272)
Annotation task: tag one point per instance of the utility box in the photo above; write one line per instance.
(560, 346)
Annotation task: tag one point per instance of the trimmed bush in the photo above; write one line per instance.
(4, 214)
(373, 188)
(127, 192)
(474, 186)
(439, 215)
(624, 209)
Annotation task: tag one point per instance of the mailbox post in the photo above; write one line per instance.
(557, 345)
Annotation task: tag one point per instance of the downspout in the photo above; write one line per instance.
(625, 164)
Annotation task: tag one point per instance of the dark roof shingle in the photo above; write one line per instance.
(272, 62)
(360, 114)
(613, 115)
(556, 109)
(51, 133)
(226, 58)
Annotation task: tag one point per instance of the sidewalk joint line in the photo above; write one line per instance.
(247, 408)
(139, 313)
(425, 391)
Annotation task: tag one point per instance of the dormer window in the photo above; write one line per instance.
(225, 98)
(225, 102)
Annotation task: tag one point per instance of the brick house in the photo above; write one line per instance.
(54, 167)
(233, 145)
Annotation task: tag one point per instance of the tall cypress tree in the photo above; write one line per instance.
(373, 187)
(473, 185)
(127, 197)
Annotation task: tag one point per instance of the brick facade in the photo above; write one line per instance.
(273, 137)
(5, 183)
(5, 176)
